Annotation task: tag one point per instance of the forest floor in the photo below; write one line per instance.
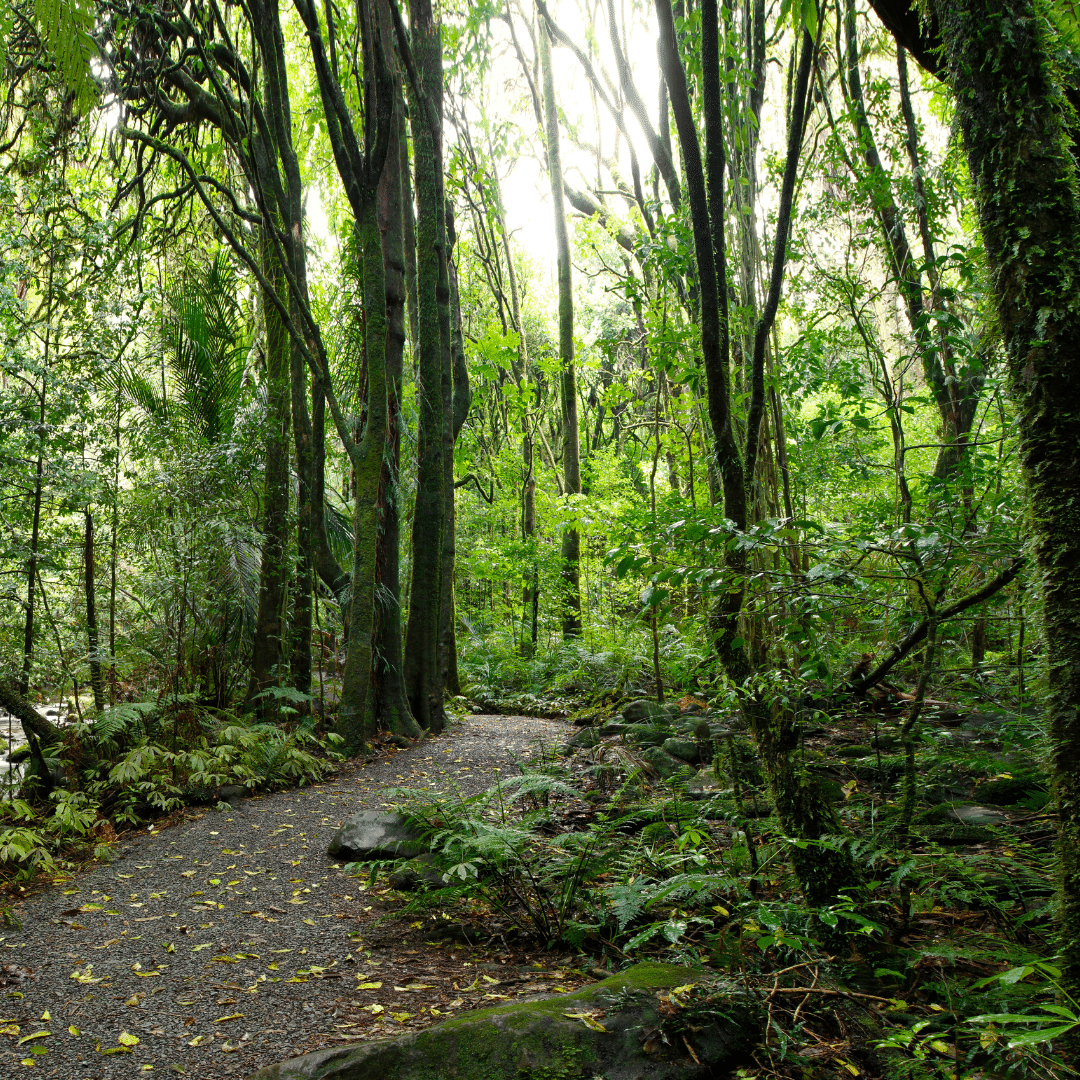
(223, 941)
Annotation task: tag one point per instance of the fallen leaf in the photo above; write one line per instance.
(127, 1039)
(198, 1040)
(133, 1000)
(368, 985)
(9, 1029)
(36, 1035)
(587, 1020)
(204, 945)
(231, 1016)
(74, 1030)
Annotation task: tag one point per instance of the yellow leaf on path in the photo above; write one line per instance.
(204, 945)
(133, 1000)
(74, 1030)
(231, 1016)
(127, 1039)
(228, 1048)
(36, 1035)
(168, 946)
(198, 1040)
(148, 974)
(9, 1029)
(45, 1015)
(374, 1009)
(365, 985)
(28, 1062)
(401, 1017)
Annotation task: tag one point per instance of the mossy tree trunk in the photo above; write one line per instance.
(571, 542)
(97, 683)
(460, 400)
(267, 650)
(393, 709)
(423, 683)
(1015, 123)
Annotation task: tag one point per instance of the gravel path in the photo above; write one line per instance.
(230, 941)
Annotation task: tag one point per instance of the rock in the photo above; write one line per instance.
(585, 737)
(959, 813)
(1009, 791)
(686, 749)
(528, 1040)
(415, 874)
(855, 752)
(665, 765)
(612, 728)
(957, 835)
(644, 709)
(644, 735)
(705, 780)
(374, 834)
(232, 794)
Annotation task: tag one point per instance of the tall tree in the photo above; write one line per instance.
(571, 453)
(423, 681)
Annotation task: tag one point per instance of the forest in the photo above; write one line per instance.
(693, 372)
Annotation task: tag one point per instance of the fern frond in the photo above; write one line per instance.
(65, 29)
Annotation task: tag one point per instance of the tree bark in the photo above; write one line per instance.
(93, 651)
(1013, 116)
(571, 542)
(393, 709)
(423, 685)
(267, 650)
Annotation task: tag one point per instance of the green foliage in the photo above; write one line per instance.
(65, 27)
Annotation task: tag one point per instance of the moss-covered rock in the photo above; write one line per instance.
(547, 1039)
(1008, 791)
(645, 735)
(666, 766)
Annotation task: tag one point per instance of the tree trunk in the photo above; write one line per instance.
(571, 544)
(423, 685)
(357, 720)
(462, 399)
(1014, 121)
(93, 650)
(393, 709)
(267, 651)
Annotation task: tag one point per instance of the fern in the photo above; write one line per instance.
(65, 29)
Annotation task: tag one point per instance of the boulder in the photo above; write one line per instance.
(537, 1038)
(705, 780)
(613, 727)
(686, 749)
(1008, 791)
(665, 765)
(585, 737)
(415, 874)
(374, 834)
(644, 735)
(643, 709)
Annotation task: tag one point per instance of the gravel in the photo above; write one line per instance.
(229, 940)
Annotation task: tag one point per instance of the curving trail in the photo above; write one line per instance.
(230, 941)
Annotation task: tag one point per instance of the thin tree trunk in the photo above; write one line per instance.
(96, 682)
(571, 544)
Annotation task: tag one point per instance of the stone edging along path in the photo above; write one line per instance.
(231, 941)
